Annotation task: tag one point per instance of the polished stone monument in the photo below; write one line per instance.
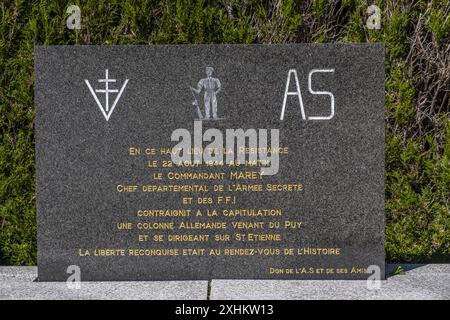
(193, 162)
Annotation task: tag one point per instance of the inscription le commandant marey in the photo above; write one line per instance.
(184, 162)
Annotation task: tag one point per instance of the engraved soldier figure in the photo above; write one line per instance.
(211, 87)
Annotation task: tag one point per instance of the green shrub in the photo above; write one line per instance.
(417, 103)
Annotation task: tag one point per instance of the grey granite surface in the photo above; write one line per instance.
(421, 282)
(82, 156)
(19, 283)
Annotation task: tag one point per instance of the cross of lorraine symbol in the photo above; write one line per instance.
(106, 110)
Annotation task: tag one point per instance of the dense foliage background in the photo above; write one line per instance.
(416, 34)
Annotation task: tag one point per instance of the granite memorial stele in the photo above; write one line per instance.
(185, 162)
